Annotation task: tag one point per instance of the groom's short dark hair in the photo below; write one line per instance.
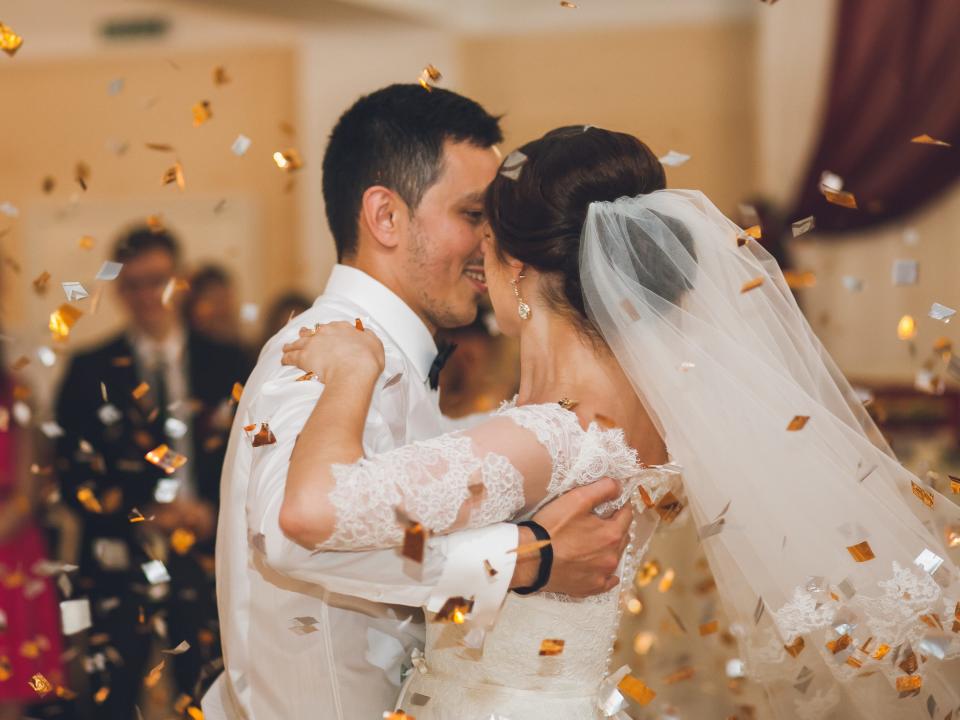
(394, 137)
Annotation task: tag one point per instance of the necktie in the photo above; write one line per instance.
(160, 392)
(446, 350)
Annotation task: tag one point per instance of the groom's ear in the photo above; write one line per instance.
(382, 213)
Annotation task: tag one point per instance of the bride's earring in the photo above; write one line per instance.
(522, 308)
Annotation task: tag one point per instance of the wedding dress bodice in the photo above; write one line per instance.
(509, 678)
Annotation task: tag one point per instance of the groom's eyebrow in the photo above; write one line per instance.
(472, 198)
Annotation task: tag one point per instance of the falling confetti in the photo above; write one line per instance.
(800, 227)
(40, 685)
(264, 436)
(941, 312)
(751, 285)
(241, 145)
(674, 159)
(41, 282)
(62, 319)
(109, 270)
(220, 76)
(288, 160)
(907, 328)
(173, 175)
(927, 140)
(454, 610)
(798, 423)
(429, 77)
(166, 458)
(513, 164)
(636, 689)
(861, 552)
(10, 42)
(550, 647)
(74, 291)
(201, 113)
(905, 272)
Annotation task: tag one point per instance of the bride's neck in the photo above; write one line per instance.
(558, 361)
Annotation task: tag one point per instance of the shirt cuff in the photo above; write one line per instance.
(465, 574)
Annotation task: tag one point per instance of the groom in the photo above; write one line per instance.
(323, 634)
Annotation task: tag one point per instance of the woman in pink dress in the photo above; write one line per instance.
(29, 626)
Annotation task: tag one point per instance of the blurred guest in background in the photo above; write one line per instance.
(210, 308)
(280, 311)
(30, 623)
(145, 417)
(482, 372)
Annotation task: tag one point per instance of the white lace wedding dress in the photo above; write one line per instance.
(474, 478)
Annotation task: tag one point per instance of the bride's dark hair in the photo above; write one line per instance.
(537, 217)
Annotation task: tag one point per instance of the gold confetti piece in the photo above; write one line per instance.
(668, 508)
(41, 282)
(800, 280)
(166, 458)
(550, 647)
(636, 689)
(181, 540)
(397, 715)
(288, 160)
(62, 319)
(798, 423)
(10, 42)
(6, 668)
(796, 647)
(634, 606)
(414, 537)
(201, 113)
(174, 175)
(666, 582)
(140, 390)
(684, 673)
(927, 140)
(839, 197)
(196, 713)
(643, 642)
(951, 536)
(906, 328)
(751, 285)
(82, 175)
(220, 76)
(153, 677)
(567, 4)
(429, 77)
(20, 363)
(754, 231)
(309, 375)
(909, 683)
(87, 498)
(924, 495)
(101, 695)
(264, 436)
(709, 628)
(358, 324)
(647, 572)
(174, 285)
(135, 516)
(40, 685)
(954, 484)
(840, 644)
(236, 392)
(490, 569)
(526, 548)
(454, 610)
(861, 552)
(159, 147)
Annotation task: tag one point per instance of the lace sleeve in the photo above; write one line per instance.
(455, 481)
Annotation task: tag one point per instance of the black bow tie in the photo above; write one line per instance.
(446, 350)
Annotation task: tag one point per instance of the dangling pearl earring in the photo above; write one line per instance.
(523, 310)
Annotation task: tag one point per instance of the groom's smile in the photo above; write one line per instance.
(475, 274)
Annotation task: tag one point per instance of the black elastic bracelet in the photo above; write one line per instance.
(546, 559)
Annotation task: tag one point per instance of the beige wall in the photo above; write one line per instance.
(59, 111)
(683, 87)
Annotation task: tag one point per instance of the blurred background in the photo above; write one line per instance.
(207, 119)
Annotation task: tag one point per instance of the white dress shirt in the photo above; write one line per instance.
(321, 634)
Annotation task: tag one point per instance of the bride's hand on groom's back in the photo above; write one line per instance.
(336, 350)
(586, 548)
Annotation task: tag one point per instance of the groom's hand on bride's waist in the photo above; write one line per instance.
(586, 548)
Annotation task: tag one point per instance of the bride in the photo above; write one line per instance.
(652, 332)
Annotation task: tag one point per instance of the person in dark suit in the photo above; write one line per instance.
(145, 418)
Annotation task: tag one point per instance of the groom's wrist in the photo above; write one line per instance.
(528, 564)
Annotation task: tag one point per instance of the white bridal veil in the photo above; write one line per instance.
(832, 560)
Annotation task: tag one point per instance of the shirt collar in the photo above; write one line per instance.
(149, 350)
(388, 311)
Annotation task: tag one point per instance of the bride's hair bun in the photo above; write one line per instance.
(537, 206)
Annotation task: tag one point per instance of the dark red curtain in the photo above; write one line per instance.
(896, 75)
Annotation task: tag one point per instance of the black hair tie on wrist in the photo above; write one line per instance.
(546, 559)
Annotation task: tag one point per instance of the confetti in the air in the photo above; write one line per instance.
(109, 270)
(907, 328)
(803, 226)
(905, 272)
(241, 145)
(942, 312)
(927, 140)
(10, 42)
(201, 113)
(674, 159)
(74, 291)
